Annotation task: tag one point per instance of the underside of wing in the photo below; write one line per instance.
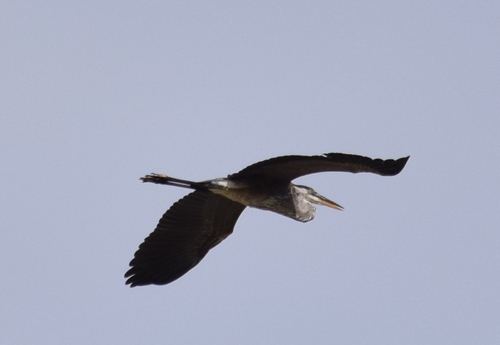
(183, 236)
(291, 167)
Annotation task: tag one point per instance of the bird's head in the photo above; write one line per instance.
(310, 195)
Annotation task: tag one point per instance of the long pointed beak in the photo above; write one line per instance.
(320, 199)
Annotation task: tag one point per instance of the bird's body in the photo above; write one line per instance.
(205, 217)
(288, 200)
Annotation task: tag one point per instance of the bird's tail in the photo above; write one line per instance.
(164, 179)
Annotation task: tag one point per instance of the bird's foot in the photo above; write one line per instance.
(154, 178)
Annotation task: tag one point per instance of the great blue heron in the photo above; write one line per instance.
(204, 218)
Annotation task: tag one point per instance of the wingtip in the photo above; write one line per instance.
(399, 164)
(391, 167)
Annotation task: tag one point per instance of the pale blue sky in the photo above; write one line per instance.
(95, 95)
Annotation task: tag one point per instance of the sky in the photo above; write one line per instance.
(96, 94)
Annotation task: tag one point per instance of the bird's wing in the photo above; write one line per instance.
(184, 235)
(291, 167)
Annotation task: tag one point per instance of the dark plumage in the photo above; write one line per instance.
(204, 218)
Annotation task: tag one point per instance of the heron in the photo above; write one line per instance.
(205, 217)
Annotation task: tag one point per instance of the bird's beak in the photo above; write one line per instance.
(320, 199)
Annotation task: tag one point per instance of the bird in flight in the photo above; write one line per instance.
(205, 217)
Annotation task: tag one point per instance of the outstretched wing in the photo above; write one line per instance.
(292, 167)
(186, 232)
